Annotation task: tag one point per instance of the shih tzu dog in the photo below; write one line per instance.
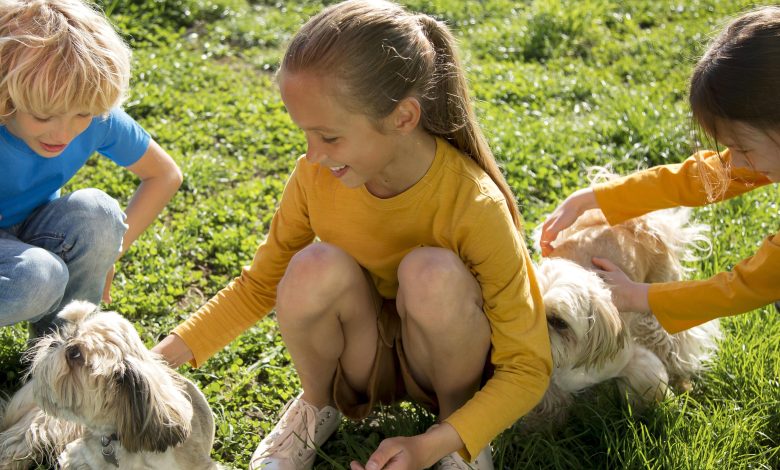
(97, 398)
(591, 342)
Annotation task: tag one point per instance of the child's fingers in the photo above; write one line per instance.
(546, 248)
(380, 457)
(354, 465)
(604, 264)
(548, 235)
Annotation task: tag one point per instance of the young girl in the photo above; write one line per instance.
(735, 100)
(420, 285)
(63, 72)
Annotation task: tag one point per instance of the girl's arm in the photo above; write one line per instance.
(251, 295)
(750, 284)
(160, 179)
(680, 305)
(682, 184)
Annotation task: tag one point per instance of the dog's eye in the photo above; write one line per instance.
(557, 324)
(73, 355)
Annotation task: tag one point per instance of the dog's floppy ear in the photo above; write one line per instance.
(152, 417)
(607, 335)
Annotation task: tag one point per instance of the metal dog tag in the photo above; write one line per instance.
(108, 450)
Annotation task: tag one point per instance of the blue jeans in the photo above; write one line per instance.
(61, 252)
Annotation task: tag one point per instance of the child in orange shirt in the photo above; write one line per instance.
(735, 99)
(420, 285)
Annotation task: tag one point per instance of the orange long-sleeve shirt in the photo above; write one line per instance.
(456, 206)
(752, 283)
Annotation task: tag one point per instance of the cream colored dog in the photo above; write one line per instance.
(97, 398)
(591, 342)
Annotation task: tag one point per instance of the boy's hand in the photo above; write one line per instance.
(174, 351)
(627, 295)
(565, 215)
(107, 289)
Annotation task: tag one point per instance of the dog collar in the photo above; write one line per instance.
(108, 451)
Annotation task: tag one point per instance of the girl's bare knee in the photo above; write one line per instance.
(314, 276)
(430, 269)
(436, 288)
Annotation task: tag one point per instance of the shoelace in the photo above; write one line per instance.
(295, 424)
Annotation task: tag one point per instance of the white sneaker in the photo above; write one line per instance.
(454, 461)
(291, 444)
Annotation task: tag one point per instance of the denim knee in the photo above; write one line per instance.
(35, 286)
(102, 222)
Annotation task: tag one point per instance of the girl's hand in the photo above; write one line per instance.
(565, 215)
(396, 453)
(412, 453)
(174, 351)
(627, 295)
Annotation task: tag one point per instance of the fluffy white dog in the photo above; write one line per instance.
(97, 398)
(591, 342)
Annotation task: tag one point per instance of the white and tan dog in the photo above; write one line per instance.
(97, 398)
(591, 342)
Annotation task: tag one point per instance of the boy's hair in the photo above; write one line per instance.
(379, 53)
(737, 79)
(59, 56)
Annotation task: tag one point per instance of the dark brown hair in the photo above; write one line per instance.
(737, 80)
(379, 53)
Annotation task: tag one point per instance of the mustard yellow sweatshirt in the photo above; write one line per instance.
(752, 283)
(455, 206)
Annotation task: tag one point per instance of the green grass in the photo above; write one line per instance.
(559, 86)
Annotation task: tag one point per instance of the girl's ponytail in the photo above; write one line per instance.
(449, 113)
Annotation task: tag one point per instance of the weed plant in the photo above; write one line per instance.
(560, 85)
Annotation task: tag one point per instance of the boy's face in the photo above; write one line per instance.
(48, 135)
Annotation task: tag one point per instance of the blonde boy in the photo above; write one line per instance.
(63, 73)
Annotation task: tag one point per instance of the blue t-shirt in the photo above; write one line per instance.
(28, 180)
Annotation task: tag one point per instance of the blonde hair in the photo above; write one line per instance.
(59, 56)
(379, 53)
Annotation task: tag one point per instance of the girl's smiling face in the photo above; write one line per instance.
(347, 143)
(48, 136)
(752, 148)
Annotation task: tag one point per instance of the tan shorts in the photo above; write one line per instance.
(391, 380)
